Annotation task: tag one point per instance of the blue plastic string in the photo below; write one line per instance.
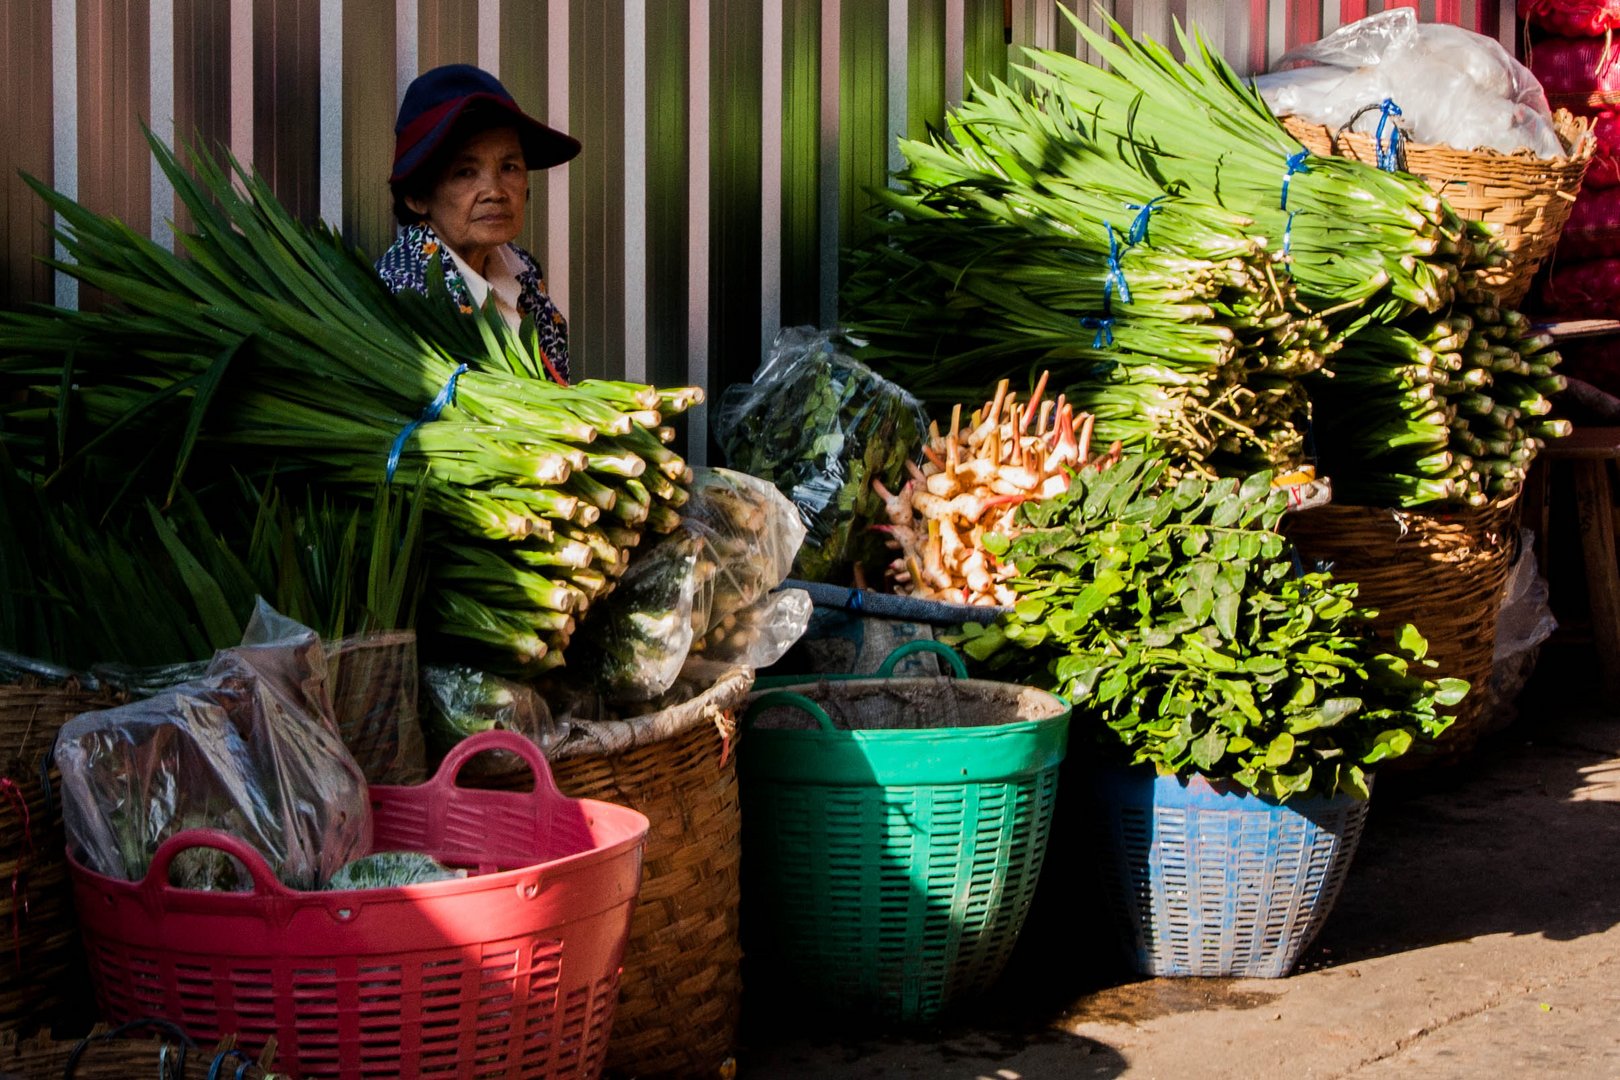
(1288, 239)
(1104, 328)
(856, 600)
(222, 1059)
(447, 396)
(1139, 225)
(1116, 273)
(1389, 155)
(1296, 164)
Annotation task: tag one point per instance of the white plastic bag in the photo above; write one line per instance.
(1454, 87)
(1523, 622)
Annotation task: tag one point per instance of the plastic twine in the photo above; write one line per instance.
(1139, 224)
(1288, 240)
(1296, 164)
(1116, 273)
(1389, 155)
(447, 396)
(1104, 327)
(19, 885)
(225, 1056)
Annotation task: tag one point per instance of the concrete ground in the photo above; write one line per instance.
(1478, 936)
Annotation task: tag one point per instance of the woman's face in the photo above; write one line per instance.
(477, 204)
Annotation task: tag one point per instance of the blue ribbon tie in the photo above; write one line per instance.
(1139, 225)
(1104, 328)
(1288, 238)
(1389, 155)
(1296, 164)
(447, 396)
(1116, 273)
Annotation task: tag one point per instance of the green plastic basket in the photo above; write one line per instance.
(888, 869)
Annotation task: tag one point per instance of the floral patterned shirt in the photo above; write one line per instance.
(405, 266)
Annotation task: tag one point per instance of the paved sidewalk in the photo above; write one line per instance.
(1478, 936)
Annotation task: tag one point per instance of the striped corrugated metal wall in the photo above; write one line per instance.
(728, 143)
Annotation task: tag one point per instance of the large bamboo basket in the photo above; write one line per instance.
(40, 969)
(1528, 196)
(680, 994)
(1441, 571)
(116, 1055)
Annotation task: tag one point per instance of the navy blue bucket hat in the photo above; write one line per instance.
(436, 99)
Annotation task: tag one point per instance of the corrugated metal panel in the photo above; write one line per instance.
(114, 163)
(25, 130)
(287, 100)
(596, 177)
(369, 106)
(202, 77)
(660, 241)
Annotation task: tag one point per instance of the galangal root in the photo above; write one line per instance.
(971, 485)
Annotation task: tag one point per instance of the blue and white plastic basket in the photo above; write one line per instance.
(1212, 882)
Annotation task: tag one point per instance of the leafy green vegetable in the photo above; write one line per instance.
(1176, 616)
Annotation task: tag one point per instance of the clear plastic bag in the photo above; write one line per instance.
(462, 701)
(251, 748)
(821, 426)
(760, 634)
(1454, 87)
(1524, 620)
(751, 535)
(736, 542)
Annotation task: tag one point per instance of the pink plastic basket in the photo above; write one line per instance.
(510, 972)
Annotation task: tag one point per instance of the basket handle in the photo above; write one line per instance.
(157, 874)
(510, 741)
(777, 698)
(886, 669)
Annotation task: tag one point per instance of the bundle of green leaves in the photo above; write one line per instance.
(1176, 617)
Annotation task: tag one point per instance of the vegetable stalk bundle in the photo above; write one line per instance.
(276, 344)
(1437, 409)
(1024, 243)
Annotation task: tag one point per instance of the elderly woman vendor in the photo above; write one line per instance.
(462, 155)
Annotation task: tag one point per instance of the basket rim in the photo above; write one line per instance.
(1575, 131)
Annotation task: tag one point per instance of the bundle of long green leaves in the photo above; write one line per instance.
(274, 345)
(1020, 243)
(152, 588)
(993, 243)
(1175, 618)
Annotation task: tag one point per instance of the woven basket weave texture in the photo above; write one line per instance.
(1443, 572)
(40, 967)
(1529, 197)
(680, 996)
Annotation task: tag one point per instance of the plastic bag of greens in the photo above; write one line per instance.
(1454, 87)
(633, 643)
(821, 426)
(462, 701)
(250, 748)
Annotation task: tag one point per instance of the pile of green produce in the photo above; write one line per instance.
(1025, 243)
(274, 345)
(998, 257)
(1437, 408)
(1174, 613)
(825, 430)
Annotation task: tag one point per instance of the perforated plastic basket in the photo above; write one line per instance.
(889, 871)
(510, 972)
(1214, 882)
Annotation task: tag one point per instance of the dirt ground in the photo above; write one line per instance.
(1478, 935)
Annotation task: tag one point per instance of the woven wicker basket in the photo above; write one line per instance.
(680, 994)
(102, 1057)
(40, 968)
(1529, 197)
(1443, 572)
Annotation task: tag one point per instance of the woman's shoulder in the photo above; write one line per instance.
(404, 265)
